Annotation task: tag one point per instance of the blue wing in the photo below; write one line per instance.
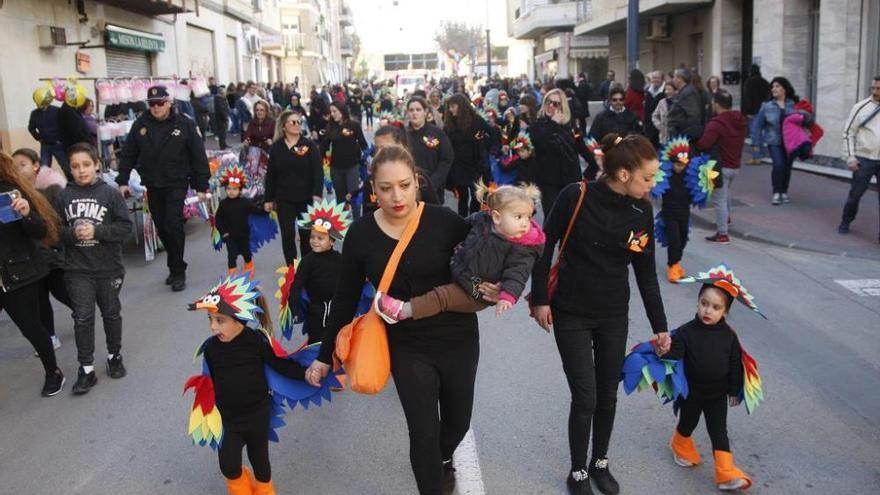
(264, 228)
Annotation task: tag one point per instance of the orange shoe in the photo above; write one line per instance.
(682, 273)
(231, 271)
(672, 273)
(727, 475)
(684, 450)
(264, 488)
(243, 485)
(249, 267)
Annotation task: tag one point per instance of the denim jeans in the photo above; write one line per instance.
(721, 199)
(860, 182)
(85, 291)
(781, 174)
(47, 151)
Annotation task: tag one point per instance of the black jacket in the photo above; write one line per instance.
(232, 218)
(348, 143)
(611, 232)
(317, 274)
(609, 121)
(43, 125)
(294, 174)
(712, 358)
(686, 113)
(167, 153)
(486, 255)
(72, 126)
(556, 153)
(19, 263)
(432, 152)
(221, 108)
(678, 196)
(469, 149)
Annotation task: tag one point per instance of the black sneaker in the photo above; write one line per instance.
(578, 483)
(602, 477)
(115, 368)
(169, 279)
(53, 384)
(178, 283)
(84, 382)
(843, 228)
(448, 477)
(719, 238)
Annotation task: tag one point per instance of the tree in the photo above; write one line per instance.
(458, 39)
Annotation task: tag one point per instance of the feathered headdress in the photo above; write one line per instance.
(328, 217)
(234, 175)
(593, 146)
(522, 142)
(391, 118)
(234, 296)
(678, 149)
(723, 277)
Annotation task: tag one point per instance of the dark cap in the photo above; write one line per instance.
(157, 93)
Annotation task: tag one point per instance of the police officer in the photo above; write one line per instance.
(167, 151)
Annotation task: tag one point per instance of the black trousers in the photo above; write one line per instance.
(369, 114)
(467, 202)
(592, 352)
(23, 307)
(288, 213)
(236, 247)
(220, 126)
(428, 383)
(86, 292)
(677, 226)
(714, 409)
(318, 312)
(251, 432)
(166, 206)
(52, 284)
(549, 193)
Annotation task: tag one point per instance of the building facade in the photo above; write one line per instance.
(318, 41)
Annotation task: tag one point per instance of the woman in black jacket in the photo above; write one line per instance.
(468, 133)
(613, 228)
(29, 218)
(429, 145)
(294, 177)
(346, 142)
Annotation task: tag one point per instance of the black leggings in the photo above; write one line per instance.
(467, 202)
(677, 226)
(714, 409)
(592, 352)
(235, 248)
(23, 307)
(288, 213)
(423, 380)
(252, 432)
(369, 114)
(52, 284)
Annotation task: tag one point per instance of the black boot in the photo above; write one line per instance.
(602, 477)
(448, 477)
(578, 483)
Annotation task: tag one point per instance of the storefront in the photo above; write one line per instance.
(130, 52)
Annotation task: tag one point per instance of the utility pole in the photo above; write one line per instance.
(488, 56)
(632, 36)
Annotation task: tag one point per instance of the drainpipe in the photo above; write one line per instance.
(632, 36)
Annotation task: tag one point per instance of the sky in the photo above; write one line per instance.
(409, 26)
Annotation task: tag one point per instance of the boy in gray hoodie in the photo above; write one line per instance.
(94, 222)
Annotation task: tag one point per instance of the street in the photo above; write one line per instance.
(817, 432)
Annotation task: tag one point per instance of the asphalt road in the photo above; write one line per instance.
(818, 431)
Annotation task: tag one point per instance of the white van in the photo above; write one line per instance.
(408, 84)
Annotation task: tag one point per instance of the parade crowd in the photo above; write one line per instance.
(502, 149)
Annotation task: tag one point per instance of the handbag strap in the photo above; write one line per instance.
(574, 215)
(394, 260)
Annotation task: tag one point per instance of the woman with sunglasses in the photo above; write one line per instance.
(556, 148)
(294, 177)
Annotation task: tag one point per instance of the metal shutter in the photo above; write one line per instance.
(128, 63)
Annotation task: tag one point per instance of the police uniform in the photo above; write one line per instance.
(170, 157)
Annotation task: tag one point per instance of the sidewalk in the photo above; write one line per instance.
(809, 222)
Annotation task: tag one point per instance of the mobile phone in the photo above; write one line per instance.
(7, 214)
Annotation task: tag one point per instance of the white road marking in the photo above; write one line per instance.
(863, 287)
(468, 476)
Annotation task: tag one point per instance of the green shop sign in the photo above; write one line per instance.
(135, 42)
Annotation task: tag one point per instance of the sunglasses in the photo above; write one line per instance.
(554, 103)
(294, 122)
(156, 103)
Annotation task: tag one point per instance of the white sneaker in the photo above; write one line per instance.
(734, 484)
(785, 198)
(777, 199)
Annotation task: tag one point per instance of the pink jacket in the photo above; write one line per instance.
(794, 133)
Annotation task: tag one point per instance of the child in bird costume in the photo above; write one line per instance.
(247, 384)
(705, 370)
(239, 223)
(308, 285)
(682, 180)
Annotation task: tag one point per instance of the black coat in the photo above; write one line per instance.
(469, 147)
(485, 255)
(20, 265)
(72, 126)
(609, 121)
(167, 153)
(556, 153)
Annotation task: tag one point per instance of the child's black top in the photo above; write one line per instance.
(424, 265)
(317, 274)
(594, 274)
(712, 358)
(232, 217)
(237, 370)
(677, 197)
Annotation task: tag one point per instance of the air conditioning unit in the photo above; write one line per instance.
(254, 45)
(659, 28)
(258, 6)
(51, 36)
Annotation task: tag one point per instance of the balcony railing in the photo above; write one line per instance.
(584, 10)
(540, 16)
(155, 7)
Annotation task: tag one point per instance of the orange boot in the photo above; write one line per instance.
(682, 273)
(243, 485)
(249, 267)
(672, 273)
(231, 271)
(264, 488)
(727, 475)
(684, 451)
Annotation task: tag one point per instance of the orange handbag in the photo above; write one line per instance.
(362, 345)
(553, 277)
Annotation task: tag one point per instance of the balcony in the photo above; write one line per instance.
(155, 7)
(537, 17)
(610, 15)
(345, 18)
(346, 47)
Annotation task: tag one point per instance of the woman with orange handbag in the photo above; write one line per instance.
(605, 226)
(434, 360)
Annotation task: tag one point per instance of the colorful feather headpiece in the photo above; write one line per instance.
(723, 277)
(391, 118)
(235, 296)
(678, 149)
(328, 217)
(593, 146)
(522, 142)
(234, 175)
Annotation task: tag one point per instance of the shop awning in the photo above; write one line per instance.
(588, 53)
(545, 57)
